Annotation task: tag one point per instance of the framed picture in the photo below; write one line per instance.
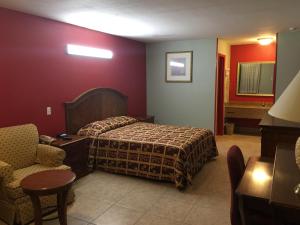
(179, 66)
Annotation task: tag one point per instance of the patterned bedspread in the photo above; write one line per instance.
(160, 152)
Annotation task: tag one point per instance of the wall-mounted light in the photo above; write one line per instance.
(265, 41)
(89, 51)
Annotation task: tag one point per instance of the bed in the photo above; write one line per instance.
(121, 144)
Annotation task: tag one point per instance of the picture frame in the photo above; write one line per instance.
(179, 67)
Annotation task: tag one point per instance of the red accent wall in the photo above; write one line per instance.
(249, 53)
(35, 71)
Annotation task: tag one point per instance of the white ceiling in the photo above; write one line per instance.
(158, 20)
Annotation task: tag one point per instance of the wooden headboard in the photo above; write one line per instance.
(92, 105)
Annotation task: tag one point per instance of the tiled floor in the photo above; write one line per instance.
(109, 199)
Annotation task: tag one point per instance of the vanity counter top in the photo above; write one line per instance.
(249, 105)
(246, 110)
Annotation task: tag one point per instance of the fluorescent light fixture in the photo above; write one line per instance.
(109, 23)
(176, 64)
(89, 51)
(265, 41)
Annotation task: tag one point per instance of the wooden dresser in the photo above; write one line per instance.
(286, 175)
(272, 194)
(275, 131)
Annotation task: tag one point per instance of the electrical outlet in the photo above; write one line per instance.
(49, 110)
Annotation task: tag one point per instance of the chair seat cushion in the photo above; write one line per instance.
(14, 189)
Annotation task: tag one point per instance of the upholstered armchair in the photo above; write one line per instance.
(21, 155)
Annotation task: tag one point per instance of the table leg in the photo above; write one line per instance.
(37, 209)
(62, 206)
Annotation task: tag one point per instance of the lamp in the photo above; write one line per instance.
(287, 108)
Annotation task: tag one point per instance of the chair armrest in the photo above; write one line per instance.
(6, 172)
(50, 156)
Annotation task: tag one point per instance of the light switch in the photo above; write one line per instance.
(49, 110)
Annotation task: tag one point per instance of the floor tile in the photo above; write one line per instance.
(207, 216)
(149, 219)
(141, 199)
(117, 215)
(88, 209)
(109, 190)
(170, 208)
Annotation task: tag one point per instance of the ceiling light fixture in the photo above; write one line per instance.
(265, 41)
(293, 29)
(89, 51)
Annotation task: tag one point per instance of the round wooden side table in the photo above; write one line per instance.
(49, 182)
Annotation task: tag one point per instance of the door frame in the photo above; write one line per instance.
(219, 90)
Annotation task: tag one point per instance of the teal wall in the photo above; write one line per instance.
(182, 103)
(288, 59)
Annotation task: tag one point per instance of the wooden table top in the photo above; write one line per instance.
(61, 142)
(257, 180)
(269, 121)
(49, 180)
(286, 177)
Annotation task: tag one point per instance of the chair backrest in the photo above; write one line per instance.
(236, 168)
(18, 145)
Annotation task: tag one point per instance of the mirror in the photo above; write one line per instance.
(255, 78)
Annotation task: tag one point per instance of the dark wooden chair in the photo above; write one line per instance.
(236, 168)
